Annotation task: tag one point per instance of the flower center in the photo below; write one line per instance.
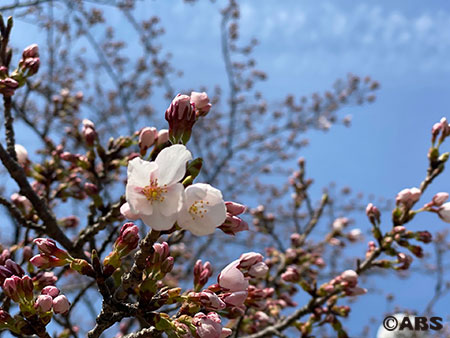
(198, 209)
(153, 192)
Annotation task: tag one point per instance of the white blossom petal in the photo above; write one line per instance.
(158, 221)
(203, 209)
(137, 201)
(139, 172)
(171, 163)
(172, 197)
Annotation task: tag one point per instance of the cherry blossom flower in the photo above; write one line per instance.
(153, 190)
(203, 209)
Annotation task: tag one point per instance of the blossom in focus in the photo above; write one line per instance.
(153, 190)
(201, 102)
(203, 209)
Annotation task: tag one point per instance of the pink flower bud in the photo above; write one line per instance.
(408, 197)
(128, 239)
(354, 235)
(50, 290)
(351, 277)
(70, 221)
(31, 51)
(61, 304)
(48, 247)
(11, 287)
(45, 262)
(27, 287)
(250, 258)
(181, 118)
(202, 272)
(259, 270)
(235, 298)
(15, 268)
(88, 132)
(209, 326)
(440, 198)
(444, 212)
(22, 154)
(373, 213)
(44, 303)
(163, 137)
(8, 87)
(90, 189)
(235, 208)
(291, 275)
(201, 103)
(233, 225)
(45, 278)
(210, 300)
(232, 279)
(167, 264)
(147, 138)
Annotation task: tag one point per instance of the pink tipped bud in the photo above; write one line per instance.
(373, 213)
(91, 189)
(250, 258)
(8, 87)
(50, 290)
(202, 272)
(408, 197)
(444, 212)
(88, 132)
(201, 103)
(291, 275)
(233, 225)
(259, 270)
(163, 137)
(11, 287)
(44, 303)
(439, 199)
(181, 118)
(340, 223)
(235, 209)
(70, 221)
(167, 264)
(22, 154)
(31, 51)
(61, 304)
(128, 239)
(147, 138)
(45, 262)
(232, 279)
(351, 277)
(48, 247)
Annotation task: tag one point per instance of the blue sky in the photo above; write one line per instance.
(304, 47)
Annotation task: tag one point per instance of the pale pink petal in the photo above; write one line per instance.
(171, 203)
(158, 221)
(171, 163)
(137, 201)
(127, 213)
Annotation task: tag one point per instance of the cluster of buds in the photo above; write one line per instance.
(346, 282)
(159, 263)
(264, 221)
(50, 298)
(19, 289)
(202, 272)
(150, 136)
(402, 236)
(88, 132)
(441, 128)
(29, 64)
(408, 197)
(126, 242)
(234, 224)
